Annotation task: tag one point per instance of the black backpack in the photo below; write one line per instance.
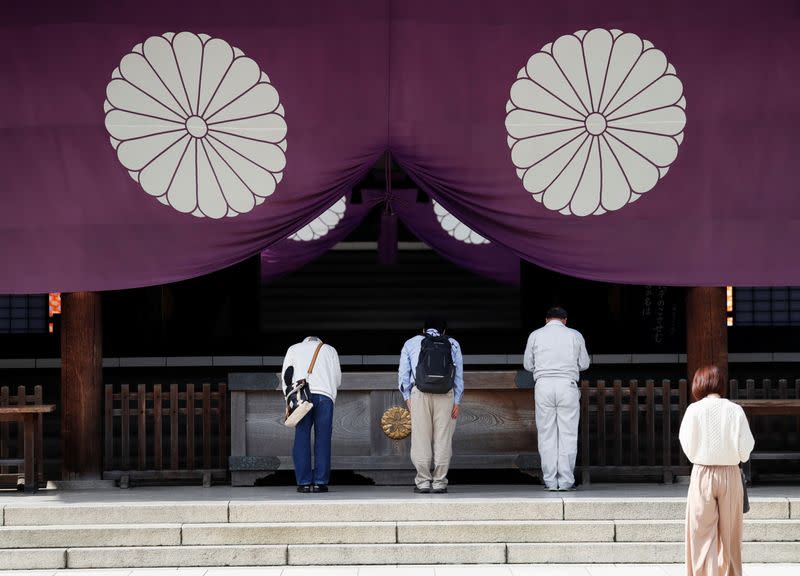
(435, 372)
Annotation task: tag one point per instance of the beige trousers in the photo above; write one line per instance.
(432, 428)
(714, 522)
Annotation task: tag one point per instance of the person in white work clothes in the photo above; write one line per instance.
(323, 382)
(556, 354)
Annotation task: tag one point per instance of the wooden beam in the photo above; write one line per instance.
(706, 330)
(81, 386)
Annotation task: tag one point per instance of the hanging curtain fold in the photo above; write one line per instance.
(445, 235)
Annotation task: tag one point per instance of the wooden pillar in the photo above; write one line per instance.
(81, 386)
(706, 330)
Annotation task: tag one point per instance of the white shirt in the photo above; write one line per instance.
(326, 377)
(555, 351)
(714, 432)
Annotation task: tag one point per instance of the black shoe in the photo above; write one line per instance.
(305, 488)
(418, 490)
(440, 490)
(319, 488)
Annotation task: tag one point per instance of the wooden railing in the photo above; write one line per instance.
(628, 429)
(772, 433)
(11, 434)
(631, 429)
(166, 434)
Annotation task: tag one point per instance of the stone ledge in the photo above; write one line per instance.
(661, 509)
(352, 554)
(505, 531)
(596, 553)
(768, 509)
(90, 535)
(771, 552)
(27, 559)
(629, 509)
(296, 533)
(176, 556)
(115, 513)
(391, 511)
(649, 530)
(673, 530)
(639, 553)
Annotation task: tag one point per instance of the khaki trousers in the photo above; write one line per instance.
(714, 522)
(432, 428)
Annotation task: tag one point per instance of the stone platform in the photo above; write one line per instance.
(224, 526)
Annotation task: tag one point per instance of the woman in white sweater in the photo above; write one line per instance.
(715, 437)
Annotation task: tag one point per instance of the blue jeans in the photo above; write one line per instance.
(321, 419)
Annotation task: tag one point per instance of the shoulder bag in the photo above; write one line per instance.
(298, 397)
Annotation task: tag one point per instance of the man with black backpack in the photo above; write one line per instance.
(431, 379)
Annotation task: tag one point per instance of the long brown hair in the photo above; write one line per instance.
(706, 381)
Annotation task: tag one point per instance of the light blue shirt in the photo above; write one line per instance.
(409, 358)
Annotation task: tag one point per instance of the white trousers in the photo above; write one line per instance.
(557, 415)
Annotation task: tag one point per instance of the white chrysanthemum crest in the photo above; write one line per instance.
(197, 124)
(455, 228)
(323, 223)
(594, 120)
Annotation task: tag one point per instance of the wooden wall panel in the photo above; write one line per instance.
(495, 427)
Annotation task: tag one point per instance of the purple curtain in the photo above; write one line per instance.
(698, 127)
(109, 121)
(147, 142)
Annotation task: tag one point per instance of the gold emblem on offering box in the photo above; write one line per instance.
(396, 423)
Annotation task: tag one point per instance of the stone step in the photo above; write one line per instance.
(52, 513)
(662, 509)
(639, 553)
(297, 533)
(90, 535)
(175, 556)
(351, 554)
(673, 530)
(505, 531)
(398, 510)
(356, 554)
(380, 510)
(37, 559)
(444, 532)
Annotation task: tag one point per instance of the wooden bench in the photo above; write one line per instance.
(769, 408)
(29, 416)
